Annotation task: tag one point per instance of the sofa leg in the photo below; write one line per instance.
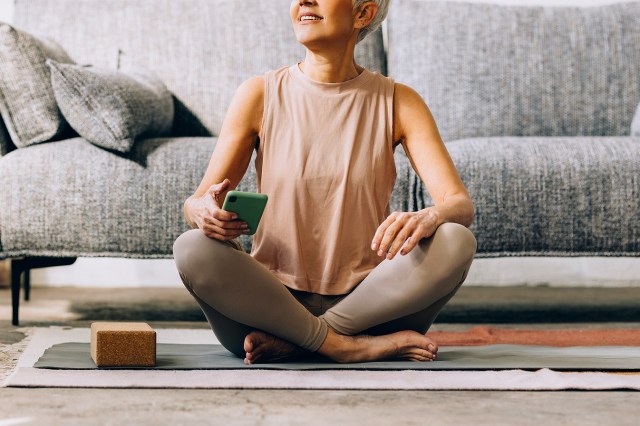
(16, 274)
(22, 268)
(27, 284)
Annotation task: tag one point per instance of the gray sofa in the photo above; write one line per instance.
(535, 105)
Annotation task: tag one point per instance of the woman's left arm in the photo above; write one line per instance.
(416, 129)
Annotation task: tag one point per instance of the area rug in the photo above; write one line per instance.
(364, 377)
(483, 335)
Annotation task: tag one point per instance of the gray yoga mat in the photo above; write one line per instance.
(169, 356)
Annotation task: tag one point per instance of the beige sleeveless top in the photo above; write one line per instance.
(325, 160)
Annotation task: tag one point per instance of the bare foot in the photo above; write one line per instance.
(409, 345)
(263, 347)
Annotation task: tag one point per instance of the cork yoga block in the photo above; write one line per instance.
(123, 344)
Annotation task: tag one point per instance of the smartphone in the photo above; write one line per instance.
(249, 207)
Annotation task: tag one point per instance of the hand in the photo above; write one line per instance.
(404, 226)
(205, 211)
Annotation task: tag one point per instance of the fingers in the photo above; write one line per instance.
(224, 233)
(394, 232)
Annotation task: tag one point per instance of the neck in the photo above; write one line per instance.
(330, 68)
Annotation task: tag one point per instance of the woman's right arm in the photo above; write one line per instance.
(228, 163)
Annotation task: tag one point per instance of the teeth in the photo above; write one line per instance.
(310, 18)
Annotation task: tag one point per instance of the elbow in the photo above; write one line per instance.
(185, 209)
(470, 212)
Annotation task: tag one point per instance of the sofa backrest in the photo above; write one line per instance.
(201, 49)
(496, 70)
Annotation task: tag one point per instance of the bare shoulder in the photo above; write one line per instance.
(248, 103)
(251, 91)
(407, 99)
(411, 113)
(252, 87)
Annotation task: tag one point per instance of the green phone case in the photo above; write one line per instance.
(247, 205)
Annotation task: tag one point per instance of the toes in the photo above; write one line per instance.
(248, 342)
(422, 353)
(418, 358)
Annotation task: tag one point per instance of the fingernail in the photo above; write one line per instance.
(380, 253)
(373, 246)
(431, 348)
(389, 256)
(234, 216)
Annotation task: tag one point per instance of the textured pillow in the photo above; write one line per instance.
(635, 125)
(27, 104)
(111, 108)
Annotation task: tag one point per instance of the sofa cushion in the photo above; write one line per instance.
(90, 202)
(27, 104)
(497, 70)
(550, 196)
(202, 49)
(110, 108)
(635, 124)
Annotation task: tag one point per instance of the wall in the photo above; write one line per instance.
(111, 272)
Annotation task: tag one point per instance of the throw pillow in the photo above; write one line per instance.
(635, 124)
(112, 108)
(27, 104)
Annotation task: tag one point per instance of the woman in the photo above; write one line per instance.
(330, 270)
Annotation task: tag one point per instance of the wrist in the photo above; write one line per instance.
(433, 215)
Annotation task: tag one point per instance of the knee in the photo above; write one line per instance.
(457, 240)
(185, 247)
(195, 255)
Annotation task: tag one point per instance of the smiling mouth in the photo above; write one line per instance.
(309, 18)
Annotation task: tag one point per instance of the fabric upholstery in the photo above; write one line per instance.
(110, 108)
(104, 204)
(533, 196)
(201, 49)
(635, 125)
(27, 104)
(537, 196)
(497, 70)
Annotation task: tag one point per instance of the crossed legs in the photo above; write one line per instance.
(398, 300)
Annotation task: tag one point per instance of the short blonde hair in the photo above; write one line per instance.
(383, 8)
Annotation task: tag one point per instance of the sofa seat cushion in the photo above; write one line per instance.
(72, 198)
(551, 196)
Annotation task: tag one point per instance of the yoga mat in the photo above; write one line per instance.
(76, 356)
(25, 375)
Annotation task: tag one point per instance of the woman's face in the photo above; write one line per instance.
(332, 21)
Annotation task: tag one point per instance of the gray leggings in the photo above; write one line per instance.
(238, 294)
